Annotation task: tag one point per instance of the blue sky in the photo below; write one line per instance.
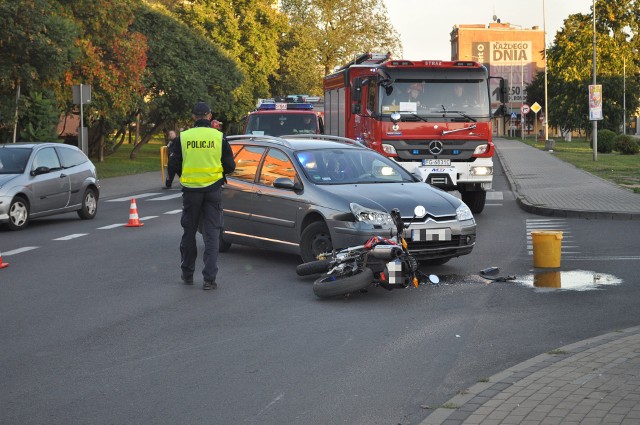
(425, 25)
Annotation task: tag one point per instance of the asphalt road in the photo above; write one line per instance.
(97, 328)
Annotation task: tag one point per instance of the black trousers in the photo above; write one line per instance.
(208, 207)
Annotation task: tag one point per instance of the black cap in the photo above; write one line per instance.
(201, 108)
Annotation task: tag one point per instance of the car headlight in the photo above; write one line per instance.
(463, 212)
(371, 216)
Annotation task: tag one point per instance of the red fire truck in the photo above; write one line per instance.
(432, 117)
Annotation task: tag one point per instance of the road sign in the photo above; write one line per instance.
(513, 116)
(536, 107)
(524, 109)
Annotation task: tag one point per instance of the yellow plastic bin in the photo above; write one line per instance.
(547, 245)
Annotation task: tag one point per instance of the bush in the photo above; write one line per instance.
(606, 141)
(627, 145)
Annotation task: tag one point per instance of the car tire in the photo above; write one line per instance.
(475, 200)
(89, 207)
(315, 240)
(18, 213)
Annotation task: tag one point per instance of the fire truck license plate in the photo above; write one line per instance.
(436, 162)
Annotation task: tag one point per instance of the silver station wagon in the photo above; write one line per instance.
(41, 179)
(309, 194)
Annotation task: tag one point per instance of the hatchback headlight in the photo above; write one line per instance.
(463, 212)
(371, 216)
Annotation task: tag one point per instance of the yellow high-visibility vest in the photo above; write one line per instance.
(201, 153)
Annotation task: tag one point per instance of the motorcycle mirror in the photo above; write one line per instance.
(419, 211)
(434, 279)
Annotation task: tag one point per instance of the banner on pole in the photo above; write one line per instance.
(595, 102)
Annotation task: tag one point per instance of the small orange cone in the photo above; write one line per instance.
(2, 263)
(133, 215)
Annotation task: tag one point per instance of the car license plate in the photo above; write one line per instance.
(436, 162)
(431, 234)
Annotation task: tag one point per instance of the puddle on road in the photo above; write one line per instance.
(575, 280)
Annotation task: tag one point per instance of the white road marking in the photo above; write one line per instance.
(166, 197)
(495, 196)
(128, 198)
(149, 217)
(112, 226)
(69, 237)
(19, 250)
(173, 212)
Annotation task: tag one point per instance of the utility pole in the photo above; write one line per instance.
(595, 122)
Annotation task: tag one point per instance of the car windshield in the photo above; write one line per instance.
(350, 166)
(13, 160)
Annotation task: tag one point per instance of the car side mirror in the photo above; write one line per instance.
(285, 183)
(40, 170)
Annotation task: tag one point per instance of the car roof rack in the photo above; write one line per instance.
(339, 139)
(263, 137)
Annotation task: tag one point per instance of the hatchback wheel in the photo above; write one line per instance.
(18, 213)
(315, 240)
(89, 204)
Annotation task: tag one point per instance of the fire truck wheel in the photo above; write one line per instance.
(474, 200)
(315, 240)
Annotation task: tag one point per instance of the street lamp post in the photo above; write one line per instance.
(624, 95)
(595, 122)
(546, 110)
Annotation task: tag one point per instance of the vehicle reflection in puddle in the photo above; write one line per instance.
(575, 280)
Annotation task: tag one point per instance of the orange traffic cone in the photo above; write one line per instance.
(133, 215)
(2, 263)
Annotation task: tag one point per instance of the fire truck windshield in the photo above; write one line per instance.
(435, 97)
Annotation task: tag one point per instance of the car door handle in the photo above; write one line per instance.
(62, 175)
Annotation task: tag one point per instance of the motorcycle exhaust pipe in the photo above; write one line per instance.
(386, 252)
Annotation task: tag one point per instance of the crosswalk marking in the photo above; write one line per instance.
(552, 224)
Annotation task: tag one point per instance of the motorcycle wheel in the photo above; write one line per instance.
(329, 286)
(313, 267)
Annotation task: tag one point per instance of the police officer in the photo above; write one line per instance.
(201, 156)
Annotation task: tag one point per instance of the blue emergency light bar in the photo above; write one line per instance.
(268, 106)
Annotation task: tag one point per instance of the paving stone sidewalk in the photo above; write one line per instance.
(549, 186)
(595, 381)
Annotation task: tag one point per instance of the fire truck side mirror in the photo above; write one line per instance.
(503, 90)
(356, 90)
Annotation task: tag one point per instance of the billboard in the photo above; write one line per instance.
(511, 60)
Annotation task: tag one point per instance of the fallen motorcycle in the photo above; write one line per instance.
(384, 262)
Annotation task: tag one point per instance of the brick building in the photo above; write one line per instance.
(508, 51)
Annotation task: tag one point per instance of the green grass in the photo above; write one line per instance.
(119, 163)
(624, 170)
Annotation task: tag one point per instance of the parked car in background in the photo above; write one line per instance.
(41, 179)
(309, 194)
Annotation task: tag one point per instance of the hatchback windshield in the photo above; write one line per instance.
(13, 160)
(350, 166)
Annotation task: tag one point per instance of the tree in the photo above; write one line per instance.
(570, 65)
(32, 32)
(183, 68)
(342, 29)
(246, 30)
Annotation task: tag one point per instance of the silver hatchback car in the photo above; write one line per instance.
(41, 179)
